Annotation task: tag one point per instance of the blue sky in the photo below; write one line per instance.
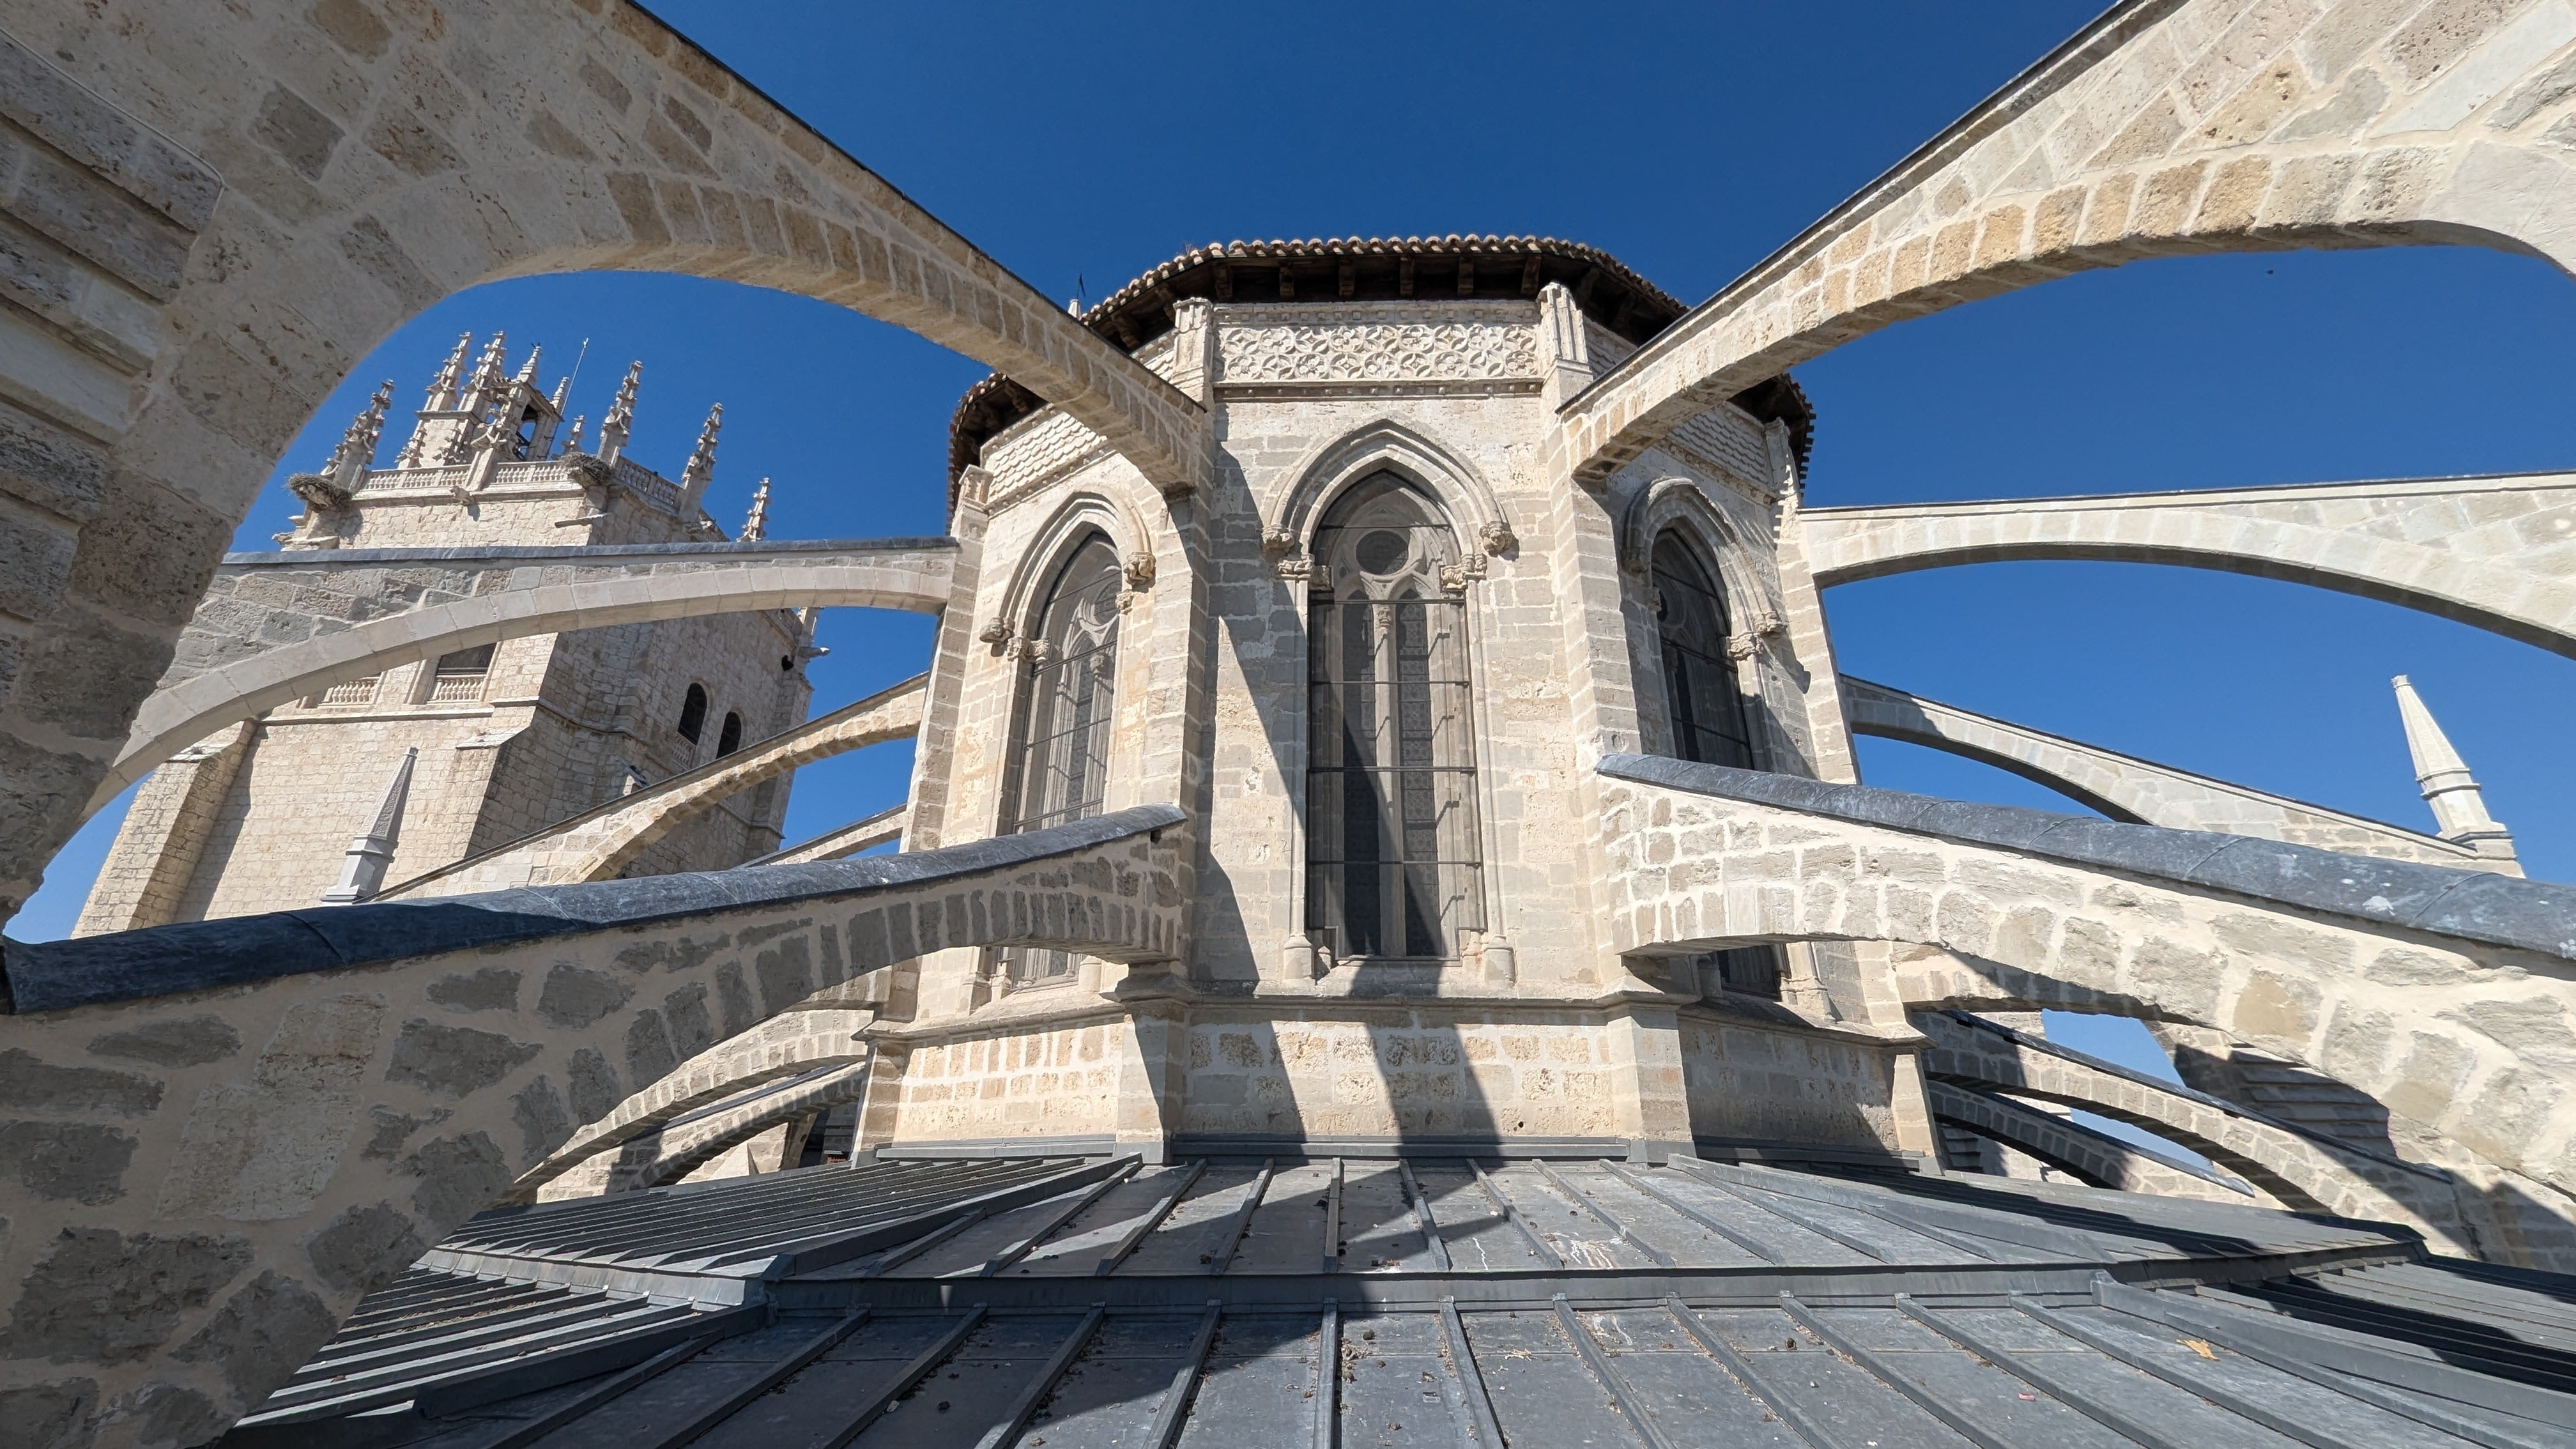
(1080, 145)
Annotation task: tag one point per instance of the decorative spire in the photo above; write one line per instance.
(357, 450)
(487, 368)
(757, 525)
(363, 872)
(2459, 807)
(528, 369)
(573, 444)
(702, 462)
(621, 415)
(563, 389)
(442, 388)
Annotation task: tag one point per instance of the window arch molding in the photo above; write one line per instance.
(1684, 503)
(1330, 469)
(1066, 530)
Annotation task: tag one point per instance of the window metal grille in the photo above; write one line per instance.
(1394, 859)
(1711, 720)
(1701, 695)
(1059, 759)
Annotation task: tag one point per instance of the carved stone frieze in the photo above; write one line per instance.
(1376, 344)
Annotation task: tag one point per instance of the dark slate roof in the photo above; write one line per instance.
(1338, 269)
(2473, 905)
(1430, 1301)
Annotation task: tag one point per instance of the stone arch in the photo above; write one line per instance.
(2131, 790)
(358, 169)
(354, 1083)
(178, 716)
(790, 1044)
(1331, 468)
(655, 1159)
(1683, 505)
(2161, 129)
(600, 843)
(1082, 513)
(2095, 1159)
(2303, 1172)
(2447, 1028)
(2476, 550)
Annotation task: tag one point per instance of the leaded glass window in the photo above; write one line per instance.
(1059, 760)
(1394, 869)
(1701, 697)
(1710, 720)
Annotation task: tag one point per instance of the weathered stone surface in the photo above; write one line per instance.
(454, 1060)
(98, 1296)
(66, 1159)
(190, 1043)
(27, 1084)
(2184, 138)
(360, 158)
(279, 627)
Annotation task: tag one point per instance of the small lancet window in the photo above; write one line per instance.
(1710, 719)
(1059, 757)
(1394, 865)
(729, 739)
(1701, 696)
(693, 714)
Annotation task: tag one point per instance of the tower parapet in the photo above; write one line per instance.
(490, 434)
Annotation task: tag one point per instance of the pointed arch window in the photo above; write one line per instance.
(1701, 696)
(729, 739)
(1394, 865)
(1059, 756)
(1711, 721)
(693, 714)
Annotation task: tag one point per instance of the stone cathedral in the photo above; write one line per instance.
(1385, 940)
(360, 786)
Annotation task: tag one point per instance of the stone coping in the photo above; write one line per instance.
(577, 552)
(685, 780)
(200, 955)
(2311, 488)
(2110, 1068)
(2472, 905)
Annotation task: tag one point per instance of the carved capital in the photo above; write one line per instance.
(1769, 625)
(1138, 570)
(1457, 576)
(1296, 566)
(1277, 541)
(1497, 536)
(1740, 647)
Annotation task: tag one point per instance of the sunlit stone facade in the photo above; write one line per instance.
(1378, 655)
(502, 740)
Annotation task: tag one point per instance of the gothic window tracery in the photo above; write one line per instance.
(1059, 757)
(1394, 865)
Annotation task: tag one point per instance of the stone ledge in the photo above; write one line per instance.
(2535, 916)
(576, 553)
(201, 955)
